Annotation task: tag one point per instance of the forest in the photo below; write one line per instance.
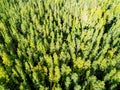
(59, 44)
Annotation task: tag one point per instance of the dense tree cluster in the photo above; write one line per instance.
(60, 44)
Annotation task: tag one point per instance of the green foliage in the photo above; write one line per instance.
(60, 44)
